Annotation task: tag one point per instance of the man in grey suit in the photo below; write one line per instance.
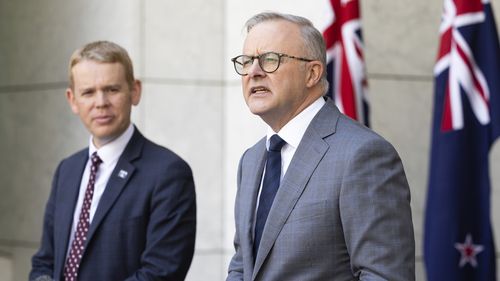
(329, 200)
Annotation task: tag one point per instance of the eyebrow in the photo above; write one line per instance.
(105, 88)
(84, 90)
(113, 86)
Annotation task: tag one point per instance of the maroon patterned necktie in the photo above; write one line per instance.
(78, 244)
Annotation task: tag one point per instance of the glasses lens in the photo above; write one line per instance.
(269, 62)
(242, 64)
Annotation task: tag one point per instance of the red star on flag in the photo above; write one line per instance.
(468, 250)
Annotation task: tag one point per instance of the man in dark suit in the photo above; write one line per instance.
(124, 208)
(321, 197)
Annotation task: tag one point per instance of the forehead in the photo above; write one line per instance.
(275, 35)
(89, 71)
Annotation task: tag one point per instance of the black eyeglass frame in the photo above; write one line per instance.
(252, 58)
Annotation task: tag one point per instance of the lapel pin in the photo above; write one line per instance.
(122, 174)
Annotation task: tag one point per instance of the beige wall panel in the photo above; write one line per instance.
(206, 266)
(5, 267)
(188, 120)
(419, 270)
(21, 263)
(38, 130)
(184, 40)
(38, 37)
(401, 36)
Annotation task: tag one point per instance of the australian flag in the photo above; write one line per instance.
(458, 242)
(345, 62)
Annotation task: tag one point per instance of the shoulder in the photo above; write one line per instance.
(340, 130)
(358, 135)
(353, 142)
(255, 150)
(75, 158)
(160, 156)
(258, 146)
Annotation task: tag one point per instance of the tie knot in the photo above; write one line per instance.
(276, 143)
(96, 160)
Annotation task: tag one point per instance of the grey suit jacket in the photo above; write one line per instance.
(342, 211)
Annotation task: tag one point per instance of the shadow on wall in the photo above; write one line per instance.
(5, 267)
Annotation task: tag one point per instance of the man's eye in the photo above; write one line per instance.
(246, 63)
(112, 90)
(270, 59)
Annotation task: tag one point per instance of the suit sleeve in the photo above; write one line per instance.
(42, 263)
(171, 229)
(376, 215)
(235, 271)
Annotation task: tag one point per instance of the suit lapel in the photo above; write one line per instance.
(68, 193)
(308, 155)
(118, 180)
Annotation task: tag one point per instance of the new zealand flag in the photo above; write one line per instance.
(458, 242)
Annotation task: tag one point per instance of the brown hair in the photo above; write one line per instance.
(103, 52)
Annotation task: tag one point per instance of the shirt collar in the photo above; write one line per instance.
(111, 151)
(293, 131)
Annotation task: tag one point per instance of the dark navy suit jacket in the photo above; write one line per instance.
(145, 223)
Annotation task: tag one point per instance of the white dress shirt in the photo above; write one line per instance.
(109, 154)
(293, 131)
(292, 134)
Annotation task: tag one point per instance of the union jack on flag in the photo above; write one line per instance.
(456, 56)
(345, 62)
(458, 240)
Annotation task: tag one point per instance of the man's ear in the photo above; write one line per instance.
(314, 73)
(70, 96)
(136, 92)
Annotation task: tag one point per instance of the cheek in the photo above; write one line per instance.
(244, 88)
(123, 106)
(280, 85)
(244, 82)
(82, 108)
(292, 82)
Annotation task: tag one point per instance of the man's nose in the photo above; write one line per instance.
(255, 69)
(102, 99)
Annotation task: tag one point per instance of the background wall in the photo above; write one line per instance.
(192, 101)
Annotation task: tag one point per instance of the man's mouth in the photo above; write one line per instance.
(103, 119)
(259, 90)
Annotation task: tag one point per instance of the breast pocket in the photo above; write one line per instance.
(309, 212)
(308, 229)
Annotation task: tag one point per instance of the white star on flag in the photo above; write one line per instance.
(468, 250)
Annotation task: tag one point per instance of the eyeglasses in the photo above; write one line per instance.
(268, 62)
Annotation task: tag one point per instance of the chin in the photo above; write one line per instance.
(259, 113)
(258, 107)
(104, 133)
(255, 109)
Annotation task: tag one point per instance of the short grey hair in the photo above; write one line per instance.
(314, 44)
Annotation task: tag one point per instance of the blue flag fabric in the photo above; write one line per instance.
(458, 240)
